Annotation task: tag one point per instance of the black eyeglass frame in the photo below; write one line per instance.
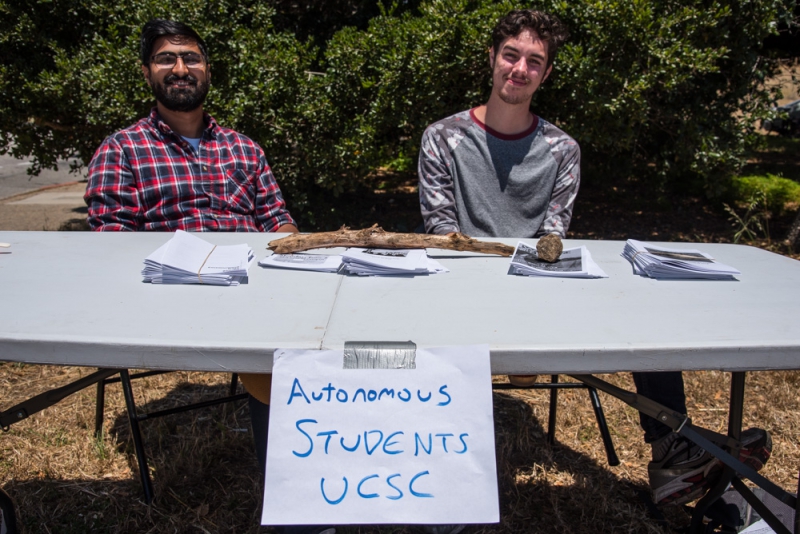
(182, 55)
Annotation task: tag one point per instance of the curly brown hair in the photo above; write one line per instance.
(548, 27)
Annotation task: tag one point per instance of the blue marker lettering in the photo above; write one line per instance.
(408, 395)
(443, 392)
(316, 396)
(322, 489)
(372, 395)
(367, 495)
(418, 442)
(366, 440)
(310, 441)
(389, 482)
(411, 486)
(461, 437)
(426, 399)
(339, 396)
(363, 394)
(389, 443)
(348, 449)
(327, 433)
(444, 440)
(330, 389)
(386, 391)
(295, 386)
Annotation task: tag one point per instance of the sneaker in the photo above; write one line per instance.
(687, 471)
(756, 447)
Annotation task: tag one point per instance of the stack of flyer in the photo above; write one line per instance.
(382, 262)
(573, 263)
(325, 263)
(674, 263)
(187, 259)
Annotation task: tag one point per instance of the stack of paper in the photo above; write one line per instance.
(573, 263)
(678, 263)
(382, 262)
(187, 259)
(305, 262)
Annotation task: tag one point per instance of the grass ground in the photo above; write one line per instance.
(65, 480)
(206, 476)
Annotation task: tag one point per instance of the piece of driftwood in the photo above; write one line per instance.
(376, 237)
(549, 248)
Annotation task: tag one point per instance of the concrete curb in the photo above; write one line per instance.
(40, 190)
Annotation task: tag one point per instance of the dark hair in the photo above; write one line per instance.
(548, 28)
(167, 28)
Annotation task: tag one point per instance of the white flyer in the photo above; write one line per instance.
(329, 263)
(381, 446)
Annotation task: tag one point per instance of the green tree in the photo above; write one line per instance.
(666, 90)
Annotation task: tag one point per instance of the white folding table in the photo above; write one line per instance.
(78, 299)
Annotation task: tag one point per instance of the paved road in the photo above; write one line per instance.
(24, 207)
(14, 178)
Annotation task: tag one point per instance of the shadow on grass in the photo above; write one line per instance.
(780, 156)
(206, 479)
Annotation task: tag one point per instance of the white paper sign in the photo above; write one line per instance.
(378, 446)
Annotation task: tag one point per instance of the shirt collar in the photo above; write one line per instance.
(158, 123)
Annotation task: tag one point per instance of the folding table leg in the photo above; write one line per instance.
(99, 408)
(551, 419)
(234, 383)
(141, 457)
(611, 453)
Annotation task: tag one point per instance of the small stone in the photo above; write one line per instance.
(549, 248)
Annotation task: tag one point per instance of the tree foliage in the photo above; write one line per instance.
(661, 89)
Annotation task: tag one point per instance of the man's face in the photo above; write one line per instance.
(177, 87)
(518, 67)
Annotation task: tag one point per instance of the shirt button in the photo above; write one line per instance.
(205, 167)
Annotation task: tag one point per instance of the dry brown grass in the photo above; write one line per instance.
(206, 476)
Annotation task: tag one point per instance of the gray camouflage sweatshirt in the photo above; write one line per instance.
(482, 183)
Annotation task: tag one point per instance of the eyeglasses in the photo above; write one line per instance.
(169, 59)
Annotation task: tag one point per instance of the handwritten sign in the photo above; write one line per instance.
(377, 446)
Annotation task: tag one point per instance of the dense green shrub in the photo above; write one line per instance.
(779, 192)
(669, 91)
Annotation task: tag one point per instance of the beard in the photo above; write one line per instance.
(183, 99)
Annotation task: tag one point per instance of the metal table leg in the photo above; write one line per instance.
(141, 458)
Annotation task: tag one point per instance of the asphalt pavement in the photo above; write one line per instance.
(53, 200)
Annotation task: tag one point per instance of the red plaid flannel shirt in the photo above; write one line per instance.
(146, 177)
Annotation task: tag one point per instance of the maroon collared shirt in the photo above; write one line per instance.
(146, 177)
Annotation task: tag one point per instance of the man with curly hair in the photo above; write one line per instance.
(499, 170)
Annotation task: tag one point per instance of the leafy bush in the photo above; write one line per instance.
(779, 192)
(665, 90)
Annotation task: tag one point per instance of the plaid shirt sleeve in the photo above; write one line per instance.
(111, 194)
(270, 211)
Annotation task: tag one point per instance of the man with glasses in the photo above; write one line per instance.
(177, 169)
(498, 170)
